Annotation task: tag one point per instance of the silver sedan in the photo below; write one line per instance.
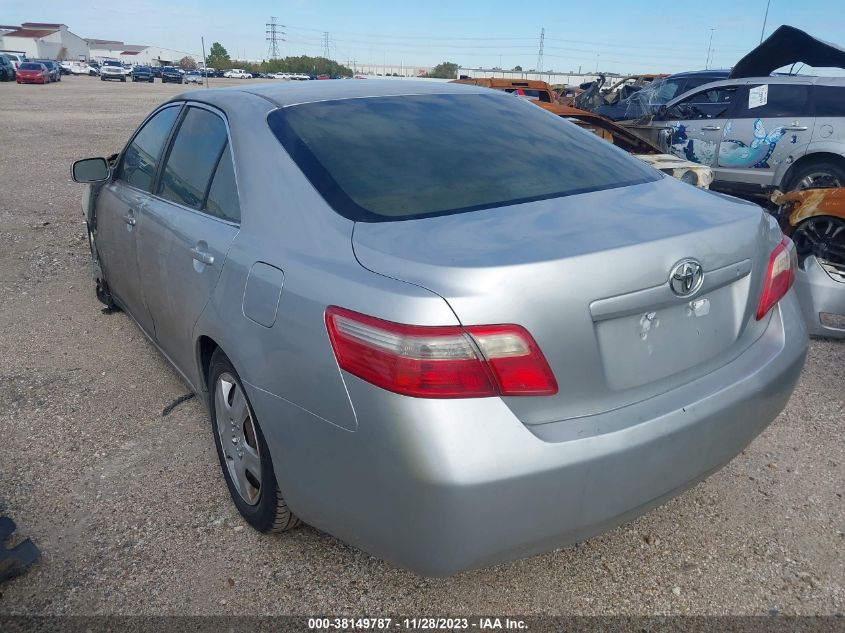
(437, 322)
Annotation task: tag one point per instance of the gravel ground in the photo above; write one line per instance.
(133, 517)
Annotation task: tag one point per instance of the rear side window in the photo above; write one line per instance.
(138, 165)
(223, 194)
(830, 100)
(393, 158)
(773, 100)
(194, 154)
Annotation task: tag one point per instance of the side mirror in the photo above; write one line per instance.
(90, 170)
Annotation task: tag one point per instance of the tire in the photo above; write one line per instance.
(246, 451)
(123, 80)
(102, 78)
(817, 174)
(101, 288)
(151, 79)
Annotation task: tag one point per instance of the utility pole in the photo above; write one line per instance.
(274, 36)
(765, 18)
(326, 53)
(709, 48)
(540, 54)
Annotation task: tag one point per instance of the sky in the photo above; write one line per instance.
(612, 35)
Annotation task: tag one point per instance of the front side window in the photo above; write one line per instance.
(706, 104)
(139, 162)
(394, 158)
(194, 154)
(774, 100)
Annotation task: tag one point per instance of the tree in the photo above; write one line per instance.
(62, 54)
(446, 70)
(218, 57)
(516, 69)
(187, 63)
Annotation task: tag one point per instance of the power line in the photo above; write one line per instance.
(326, 52)
(540, 54)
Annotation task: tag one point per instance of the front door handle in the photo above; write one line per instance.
(202, 256)
(711, 128)
(129, 220)
(796, 128)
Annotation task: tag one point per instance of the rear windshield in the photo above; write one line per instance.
(393, 158)
(30, 66)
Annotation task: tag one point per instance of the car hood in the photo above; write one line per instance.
(788, 45)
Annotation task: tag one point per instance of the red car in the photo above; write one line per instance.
(33, 73)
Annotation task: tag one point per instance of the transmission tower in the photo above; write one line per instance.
(540, 54)
(274, 36)
(326, 52)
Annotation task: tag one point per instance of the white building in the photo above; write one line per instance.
(43, 40)
(138, 54)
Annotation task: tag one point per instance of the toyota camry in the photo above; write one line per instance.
(436, 321)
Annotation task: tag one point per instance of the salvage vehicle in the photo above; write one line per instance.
(541, 93)
(594, 94)
(648, 100)
(815, 219)
(414, 308)
(112, 69)
(760, 132)
(32, 73)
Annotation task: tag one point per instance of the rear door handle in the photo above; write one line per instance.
(202, 256)
(711, 128)
(795, 128)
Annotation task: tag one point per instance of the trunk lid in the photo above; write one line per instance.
(588, 277)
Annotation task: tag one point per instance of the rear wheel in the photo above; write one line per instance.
(243, 452)
(817, 175)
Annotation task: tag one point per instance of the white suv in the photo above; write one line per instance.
(112, 69)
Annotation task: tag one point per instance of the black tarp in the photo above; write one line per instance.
(786, 46)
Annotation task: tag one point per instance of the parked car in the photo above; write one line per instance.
(157, 71)
(111, 69)
(7, 69)
(52, 67)
(760, 133)
(143, 73)
(237, 73)
(94, 68)
(170, 74)
(557, 333)
(194, 77)
(32, 73)
(649, 98)
(16, 58)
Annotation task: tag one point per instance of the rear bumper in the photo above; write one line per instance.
(818, 293)
(441, 486)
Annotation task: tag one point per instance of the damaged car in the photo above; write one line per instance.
(542, 95)
(815, 219)
(413, 309)
(760, 132)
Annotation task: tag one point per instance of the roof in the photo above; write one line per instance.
(501, 83)
(776, 79)
(34, 33)
(42, 25)
(129, 53)
(95, 41)
(297, 92)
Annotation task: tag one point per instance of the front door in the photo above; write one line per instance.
(188, 226)
(119, 211)
(771, 123)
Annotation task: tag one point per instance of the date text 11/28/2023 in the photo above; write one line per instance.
(418, 623)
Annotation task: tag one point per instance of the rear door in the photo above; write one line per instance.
(119, 209)
(771, 123)
(696, 124)
(187, 229)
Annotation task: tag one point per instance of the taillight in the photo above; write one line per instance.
(439, 362)
(780, 275)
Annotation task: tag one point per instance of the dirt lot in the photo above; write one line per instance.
(133, 516)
